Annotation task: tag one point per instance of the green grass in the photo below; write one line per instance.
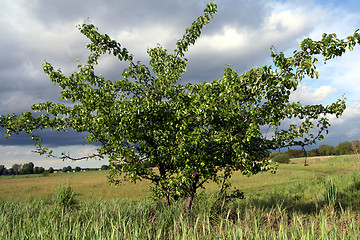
(89, 185)
(319, 201)
(93, 185)
(266, 215)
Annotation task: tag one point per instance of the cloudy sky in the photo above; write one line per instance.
(240, 35)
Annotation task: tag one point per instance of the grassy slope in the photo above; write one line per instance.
(89, 185)
(93, 185)
(297, 204)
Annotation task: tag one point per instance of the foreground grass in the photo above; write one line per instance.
(278, 214)
(320, 201)
(316, 208)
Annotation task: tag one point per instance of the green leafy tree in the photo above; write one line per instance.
(39, 170)
(16, 168)
(28, 168)
(192, 133)
(343, 148)
(2, 170)
(296, 153)
(326, 150)
(313, 152)
(104, 167)
(51, 170)
(77, 169)
(69, 169)
(10, 171)
(64, 169)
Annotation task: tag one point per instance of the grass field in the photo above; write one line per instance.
(93, 185)
(319, 201)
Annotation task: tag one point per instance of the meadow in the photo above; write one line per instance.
(319, 201)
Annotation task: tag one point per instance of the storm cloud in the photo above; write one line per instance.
(240, 35)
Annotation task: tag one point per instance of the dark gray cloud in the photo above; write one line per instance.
(112, 14)
(50, 139)
(240, 35)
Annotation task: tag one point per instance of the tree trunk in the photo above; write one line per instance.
(192, 192)
(166, 198)
(164, 190)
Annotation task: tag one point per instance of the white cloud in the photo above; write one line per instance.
(343, 73)
(23, 154)
(346, 127)
(309, 95)
(245, 31)
(85, 151)
(351, 115)
(279, 28)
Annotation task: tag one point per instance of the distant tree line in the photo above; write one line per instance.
(21, 169)
(343, 148)
(29, 168)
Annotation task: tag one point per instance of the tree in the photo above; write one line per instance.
(28, 168)
(77, 169)
(314, 152)
(69, 169)
(16, 168)
(10, 171)
(326, 150)
(39, 170)
(343, 148)
(295, 153)
(192, 133)
(2, 170)
(104, 167)
(51, 170)
(64, 169)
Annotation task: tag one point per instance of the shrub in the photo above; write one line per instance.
(331, 193)
(104, 167)
(46, 173)
(281, 158)
(65, 197)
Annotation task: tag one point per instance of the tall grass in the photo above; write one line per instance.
(143, 220)
(321, 208)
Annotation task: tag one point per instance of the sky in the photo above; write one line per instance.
(240, 35)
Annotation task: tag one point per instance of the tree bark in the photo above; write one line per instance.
(192, 192)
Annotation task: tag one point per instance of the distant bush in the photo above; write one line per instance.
(281, 158)
(104, 167)
(69, 169)
(77, 169)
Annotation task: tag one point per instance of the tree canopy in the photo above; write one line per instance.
(192, 133)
